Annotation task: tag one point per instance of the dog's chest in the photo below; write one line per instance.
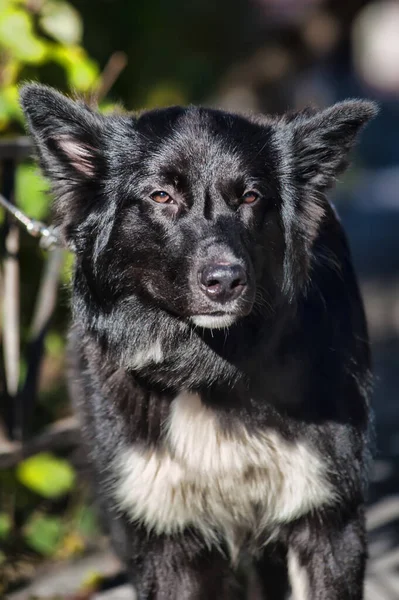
(227, 486)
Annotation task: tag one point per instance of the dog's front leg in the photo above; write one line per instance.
(179, 568)
(327, 557)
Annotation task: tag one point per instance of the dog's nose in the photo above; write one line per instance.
(223, 282)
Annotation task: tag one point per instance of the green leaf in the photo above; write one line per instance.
(67, 269)
(55, 344)
(62, 22)
(6, 109)
(16, 35)
(9, 105)
(82, 72)
(87, 523)
(164, 94)
(30, 191)
(5, 525)
(5, 4)
(43, 533)
(107, 107)
(47, 475)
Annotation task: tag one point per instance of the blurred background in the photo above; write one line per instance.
(258, 55)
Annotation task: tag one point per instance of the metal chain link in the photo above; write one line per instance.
(49, 237)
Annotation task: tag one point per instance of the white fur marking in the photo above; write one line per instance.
(224, 485)
(143, 357)
(298, 578)
(212, 321)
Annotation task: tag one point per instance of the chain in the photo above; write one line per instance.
(49, 237)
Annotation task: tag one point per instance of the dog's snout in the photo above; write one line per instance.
(223, 282)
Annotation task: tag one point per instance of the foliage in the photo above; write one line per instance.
(49, 529)
(5, 525)
(30, 190)
(32, 36)
(39, 38)
(47, 475)
(43, 511)
(43, 533)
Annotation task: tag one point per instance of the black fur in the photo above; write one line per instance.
(297, 357)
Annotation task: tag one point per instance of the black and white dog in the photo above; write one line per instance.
(219, 351)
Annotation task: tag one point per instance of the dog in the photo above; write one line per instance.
(219, 356)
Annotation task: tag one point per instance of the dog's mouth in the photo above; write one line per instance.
(215, 320)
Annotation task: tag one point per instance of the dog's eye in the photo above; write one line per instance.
(250, 197)
(161, 197)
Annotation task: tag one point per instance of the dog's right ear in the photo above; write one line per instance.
(69, 140)
(67, 134)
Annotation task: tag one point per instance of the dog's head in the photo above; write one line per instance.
(198, 211)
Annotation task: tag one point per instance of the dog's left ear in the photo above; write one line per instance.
(315, 150)
(321, 142)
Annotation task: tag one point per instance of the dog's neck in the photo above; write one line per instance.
(151, 343)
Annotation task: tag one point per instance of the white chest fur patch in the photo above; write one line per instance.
(224, 485)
